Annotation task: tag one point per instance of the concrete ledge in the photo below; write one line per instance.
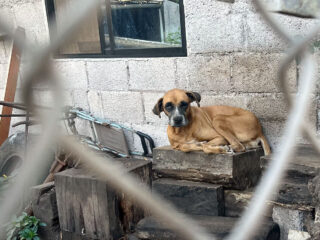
(239, 170)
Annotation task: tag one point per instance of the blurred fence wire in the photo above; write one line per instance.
(41, 71)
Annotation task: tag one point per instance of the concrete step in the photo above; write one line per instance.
(238, 170)
(302, 168)
(220, 227)
(192, 197)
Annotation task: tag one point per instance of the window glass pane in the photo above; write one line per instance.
(87, 39)
(139, 24)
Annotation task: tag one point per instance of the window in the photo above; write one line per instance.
(125, 28)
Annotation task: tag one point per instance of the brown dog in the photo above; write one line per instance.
(210, 128)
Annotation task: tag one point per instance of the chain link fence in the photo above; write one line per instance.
(41, 72)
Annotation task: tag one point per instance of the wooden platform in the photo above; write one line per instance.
(89, 208)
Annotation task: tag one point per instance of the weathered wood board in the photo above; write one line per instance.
(89, 208)
(238, 170)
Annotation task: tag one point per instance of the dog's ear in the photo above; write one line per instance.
(158, 108)
(194, 96)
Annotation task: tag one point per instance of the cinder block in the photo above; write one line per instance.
(205, 73)
(260, 37)
(80, 99)
(158, 133)
(123, 106)
(3, 55)
(32, 17)
(149, 101)
(95, 103)
(72, 72)
(7, 15)
(238, 170)
(257, 72)
(153, 74)
(290, 219)
(268, 106)
(243, 7)
(235, 100)
(192, 197)
(207, 9)
(107, 75)
(301, 8)
(215, 33)
(4, 67)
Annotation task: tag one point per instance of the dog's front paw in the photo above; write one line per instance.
(238, 148)
(215, 149)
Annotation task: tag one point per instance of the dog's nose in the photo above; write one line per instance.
(177, 119)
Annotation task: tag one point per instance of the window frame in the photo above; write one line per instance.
(121, 53)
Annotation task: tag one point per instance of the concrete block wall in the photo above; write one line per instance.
(233, 58)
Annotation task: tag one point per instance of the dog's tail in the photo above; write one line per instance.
(265, 145)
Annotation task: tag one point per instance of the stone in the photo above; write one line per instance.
(152, 74)
(44, 207)
(44, 204)
(239, 170)
(192, 197)
(220, 227)
(290, 219)
(236, 202)
(298, 235)
(107, 75)
(303, 167)
(87, 206)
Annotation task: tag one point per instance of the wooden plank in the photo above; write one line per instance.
(11, 86)
(112, 138)
(87, 206)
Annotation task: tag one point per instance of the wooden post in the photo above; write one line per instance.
(11, 86)
(90, 208)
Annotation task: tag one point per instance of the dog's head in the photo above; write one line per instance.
(176, 105)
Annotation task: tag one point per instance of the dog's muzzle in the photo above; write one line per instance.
(176, 119)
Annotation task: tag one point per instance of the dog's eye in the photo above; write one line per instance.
(184, 104)
(169, 106)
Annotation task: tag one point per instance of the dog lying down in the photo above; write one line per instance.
(212, 129)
